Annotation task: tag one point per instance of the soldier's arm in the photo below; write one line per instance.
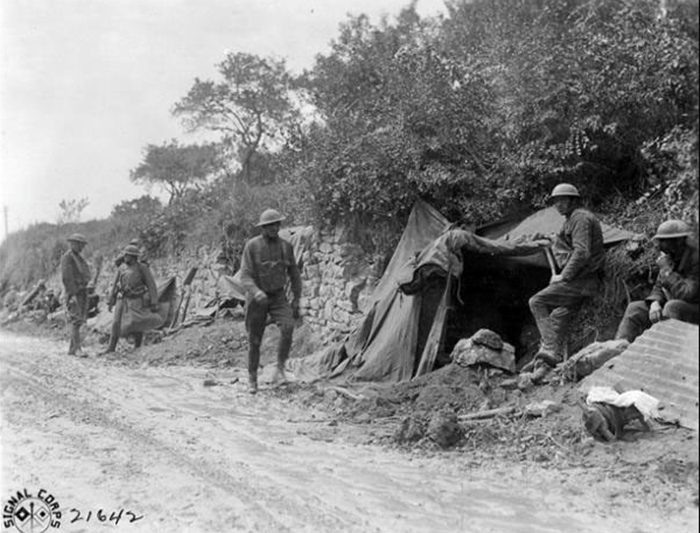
(247, 272)
(581, 244)
(679, 286)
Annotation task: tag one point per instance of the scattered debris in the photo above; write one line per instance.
(542, 409)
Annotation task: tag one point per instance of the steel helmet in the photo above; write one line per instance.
(77, 237)
(270, 216)
(565, 189)
(131, 249)
(671, 229)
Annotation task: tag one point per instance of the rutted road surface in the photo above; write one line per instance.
(183, 457)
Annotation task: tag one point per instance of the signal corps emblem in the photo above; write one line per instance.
(31, 514)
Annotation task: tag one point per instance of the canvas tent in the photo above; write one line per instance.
(442, 283)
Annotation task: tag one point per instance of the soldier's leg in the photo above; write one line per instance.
(138, 339)
(681, 310)
(255, 318)
(116, 326)
(281, 313)
(559, 301)
(634, 321)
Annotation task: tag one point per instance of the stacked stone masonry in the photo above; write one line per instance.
(338, 280)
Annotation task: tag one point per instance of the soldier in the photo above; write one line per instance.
(675, 292)
(75, 273)
(579, 246)
(266, 265)
(134, 287)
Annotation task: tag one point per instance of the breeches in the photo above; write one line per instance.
(636, 317)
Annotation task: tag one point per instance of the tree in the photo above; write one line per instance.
(71, 210)
(177, 168)
(137, 208)
(250, 107)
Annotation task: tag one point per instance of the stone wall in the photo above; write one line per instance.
(338, 280)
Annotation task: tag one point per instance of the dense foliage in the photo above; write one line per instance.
(480, 111)
(483, 111)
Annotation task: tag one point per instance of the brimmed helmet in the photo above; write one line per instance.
(672, 229)
(270, 216)
(77, 237)
(131, 250)
(565, 189)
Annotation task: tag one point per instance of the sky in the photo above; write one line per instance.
(86, 85)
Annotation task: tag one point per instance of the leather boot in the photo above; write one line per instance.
(283, 348)
(75, 347)
(252, 382)
(138, 339)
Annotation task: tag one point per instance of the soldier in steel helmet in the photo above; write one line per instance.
(579, 251)
(133, 287)
(267, 264)
(75, 274)
(675, 292)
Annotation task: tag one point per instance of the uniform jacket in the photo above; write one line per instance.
(682, 282)
(134, 281)
(75, 273)
(580, 243)
(267, 264)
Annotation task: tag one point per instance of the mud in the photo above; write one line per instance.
(169, 432)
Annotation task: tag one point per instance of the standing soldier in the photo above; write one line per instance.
(133, 290)
(76, 277)
(266, 265)
(579, 246)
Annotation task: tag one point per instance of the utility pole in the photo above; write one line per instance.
(4, 210)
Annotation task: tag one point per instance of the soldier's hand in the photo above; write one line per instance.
(154, 308)
(556, 278)
(664, 262)
(110, 307)
(655, 312)
(260, 297)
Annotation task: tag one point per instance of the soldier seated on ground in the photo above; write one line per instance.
(675, 293)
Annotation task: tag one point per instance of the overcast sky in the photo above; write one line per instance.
(87, 84)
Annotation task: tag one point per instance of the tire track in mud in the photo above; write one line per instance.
(262, 506)
(216, 459)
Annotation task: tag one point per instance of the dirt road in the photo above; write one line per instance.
(175, 455)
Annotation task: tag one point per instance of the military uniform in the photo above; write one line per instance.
(266, 265)
(579, 245)
(75, 274)
(676, 291)
(133, 288)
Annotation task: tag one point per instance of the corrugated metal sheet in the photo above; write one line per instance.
(663, 362)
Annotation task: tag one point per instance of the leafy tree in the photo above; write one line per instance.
(251, 106)
(484, 110)
(177, 168)
(141, 207)
(71, 210)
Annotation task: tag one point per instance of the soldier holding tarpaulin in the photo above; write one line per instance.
(267, 262)
(133, 294)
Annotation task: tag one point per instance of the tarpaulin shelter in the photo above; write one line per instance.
(440, 277)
